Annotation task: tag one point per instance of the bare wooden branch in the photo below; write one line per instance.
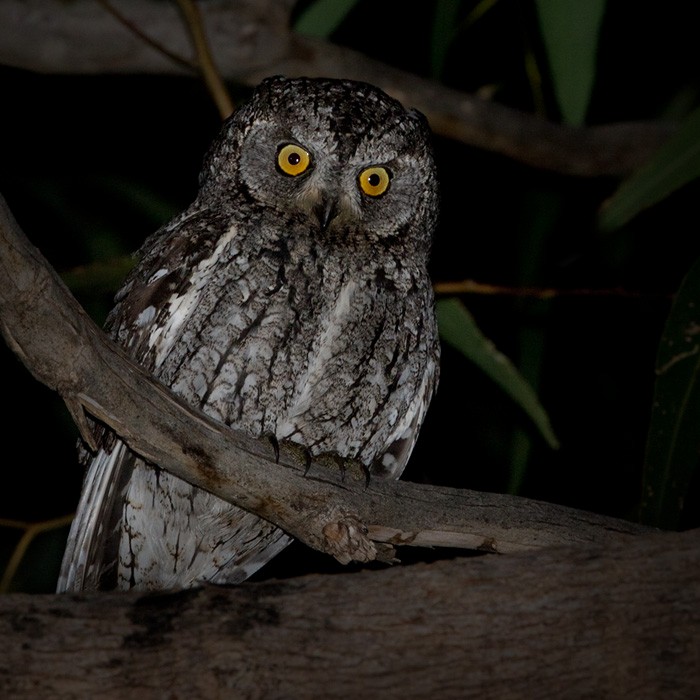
(620, 620)
(329, 509)
(251, 39)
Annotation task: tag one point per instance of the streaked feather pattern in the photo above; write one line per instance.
(273, 319)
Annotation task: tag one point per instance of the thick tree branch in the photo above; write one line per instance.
(340, 515)
(601, 621)
(251, 39)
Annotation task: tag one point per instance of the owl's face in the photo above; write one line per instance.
(342, 155)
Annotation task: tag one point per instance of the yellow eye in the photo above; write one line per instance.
(374, 181)
(293, 159)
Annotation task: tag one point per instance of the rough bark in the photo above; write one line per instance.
(614, 621)
(251, 40)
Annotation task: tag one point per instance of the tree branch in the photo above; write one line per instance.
(602, 621)
(252, 39)
(329, 509)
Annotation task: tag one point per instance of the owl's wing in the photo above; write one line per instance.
(91, 554)
(402, 440)
(92, 547)
(151, 306)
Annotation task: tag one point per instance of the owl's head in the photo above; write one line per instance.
(341, 156)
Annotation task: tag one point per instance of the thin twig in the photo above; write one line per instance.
(31, 531)
(134, 29)
(545, 293)
(210, 73)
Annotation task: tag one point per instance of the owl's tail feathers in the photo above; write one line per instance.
(85, 549)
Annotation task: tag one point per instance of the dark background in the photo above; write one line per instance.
(91, 165)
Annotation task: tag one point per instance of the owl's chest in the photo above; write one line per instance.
(259, 336)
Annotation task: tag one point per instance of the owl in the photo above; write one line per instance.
(290, 300)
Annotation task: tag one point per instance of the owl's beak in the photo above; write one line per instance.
(326, 210)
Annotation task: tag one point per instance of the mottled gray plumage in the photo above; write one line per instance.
(291, 304)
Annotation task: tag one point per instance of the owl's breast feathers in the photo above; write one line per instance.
(290, 337)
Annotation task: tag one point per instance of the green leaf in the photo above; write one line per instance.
(674, 435)
(99, 276)
(458, 328)
(444, 31)
(570, 31)
(323, 17)
(675, 164)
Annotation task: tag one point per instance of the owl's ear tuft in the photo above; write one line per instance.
(420, 117)
(271, 81)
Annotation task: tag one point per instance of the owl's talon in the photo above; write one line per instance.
(307, 462)
(367, 472)
(342, 468)
(274, 442)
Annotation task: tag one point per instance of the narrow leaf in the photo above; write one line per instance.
(444, 29)
(99, 276)
(570, 31)
(458, 328)
(323, 17)
(674, 431)
(675, 164)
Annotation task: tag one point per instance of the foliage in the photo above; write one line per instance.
(676, 164)
(673, 443)
(570, 35)
(457, 327)
(322, 18)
